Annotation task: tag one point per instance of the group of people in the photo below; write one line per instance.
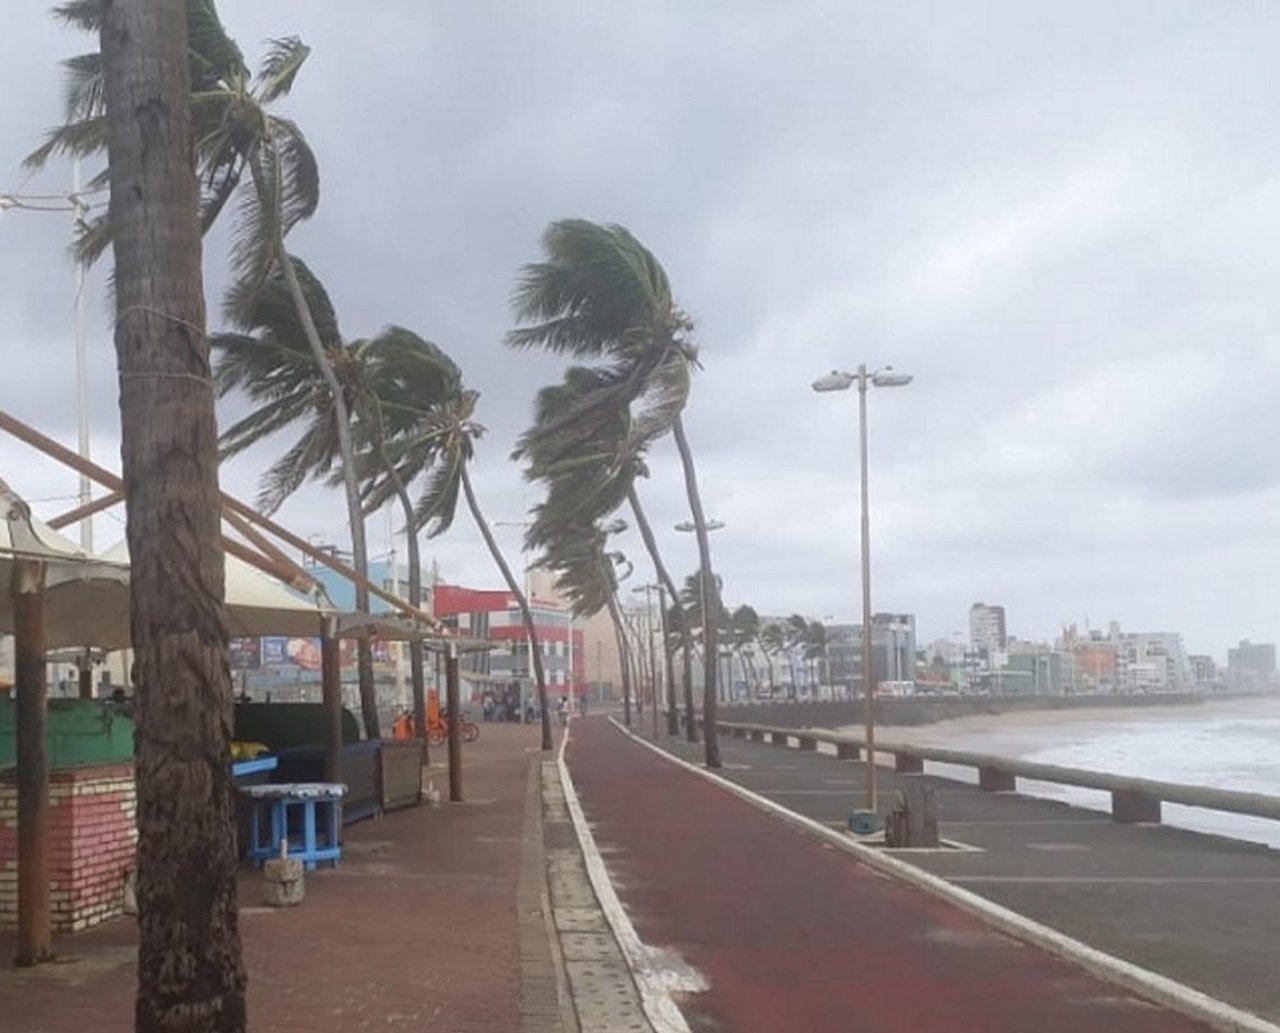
(504, 705)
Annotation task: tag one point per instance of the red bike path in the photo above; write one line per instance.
(795, 935)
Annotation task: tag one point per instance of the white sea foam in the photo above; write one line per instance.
(1229, 744)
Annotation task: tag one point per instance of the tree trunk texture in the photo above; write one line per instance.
(651, 544)
(711, 591)
(331, 698)
(190, 973)
(351, 488)
(535, 649)
(624, 654)
(417, 676)
(31, 705)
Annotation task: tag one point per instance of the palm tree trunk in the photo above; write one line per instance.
(624, 655)
(710, 590)
(535, 649)
(651, 544)
(355, 513)
(417, 676)
(190, 971)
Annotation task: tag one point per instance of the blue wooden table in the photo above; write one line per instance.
(306, 814)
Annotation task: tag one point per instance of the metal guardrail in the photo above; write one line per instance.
(1132, 799)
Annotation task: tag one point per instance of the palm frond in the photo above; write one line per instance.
(82, 90)
(298, 172)
(285, 57)
(213, 54)
(81, 138)
(438, 503)
(82, 14)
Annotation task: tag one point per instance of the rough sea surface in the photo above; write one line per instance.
(1227, 744)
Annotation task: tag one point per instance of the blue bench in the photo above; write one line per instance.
(307, 814)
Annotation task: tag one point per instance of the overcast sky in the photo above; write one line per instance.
(1062, 219)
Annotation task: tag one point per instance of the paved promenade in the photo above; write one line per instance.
(421, 928)
(795, 935)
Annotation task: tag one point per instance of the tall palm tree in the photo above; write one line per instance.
(590, 477)
(586, 573)
(436, 439)
(270, 361)
(744, 632)
(600, 294)
(773, 642)
(190, 970)
(241, 148)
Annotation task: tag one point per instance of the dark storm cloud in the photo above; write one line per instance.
(1062, 220)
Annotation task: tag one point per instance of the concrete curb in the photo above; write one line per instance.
(658, 974)
(1143, 982)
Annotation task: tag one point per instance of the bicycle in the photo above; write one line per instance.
(438, 733)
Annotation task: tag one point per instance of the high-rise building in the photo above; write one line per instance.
(893, 646)
(987, 631)
(1251, 663)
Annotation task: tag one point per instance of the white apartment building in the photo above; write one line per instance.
(987, 630)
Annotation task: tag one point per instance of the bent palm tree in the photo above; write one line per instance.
(233, 134)
(586, 573)
(271, 362)
(587, 481)
(437, 439)
(600, 294)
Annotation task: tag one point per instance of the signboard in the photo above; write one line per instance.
(245, 653)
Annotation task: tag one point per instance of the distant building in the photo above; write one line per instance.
(1251, 664)
(893, 646)
(987, 630)
(1203, 670)
(495, 614)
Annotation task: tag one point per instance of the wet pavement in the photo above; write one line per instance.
(794, 934)
(433, 922)
(1200, 909)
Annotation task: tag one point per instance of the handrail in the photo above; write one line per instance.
(1147, 790)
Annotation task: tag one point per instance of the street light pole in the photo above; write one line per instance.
(688, 527)
(838, 381)
(868, 660)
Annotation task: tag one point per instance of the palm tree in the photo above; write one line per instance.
(190, 969)
(600, 294)
(586, 573)
(773, 642)
(437, 439)
(234, 134)
(271, 362)
(744, 632)
(589, 478)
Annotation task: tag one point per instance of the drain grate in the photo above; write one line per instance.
(605, 996)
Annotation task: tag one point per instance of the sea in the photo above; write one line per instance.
(1226, 744)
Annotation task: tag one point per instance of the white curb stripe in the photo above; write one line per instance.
(1150, 985)
(657, 973)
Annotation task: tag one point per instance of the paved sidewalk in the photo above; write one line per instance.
(795, 935)
(424, 927)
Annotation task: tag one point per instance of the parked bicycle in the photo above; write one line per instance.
(438, 731)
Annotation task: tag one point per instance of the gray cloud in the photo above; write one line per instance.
(1061, 220)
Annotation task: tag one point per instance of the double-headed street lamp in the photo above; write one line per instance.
(839, 381)
(689, 527)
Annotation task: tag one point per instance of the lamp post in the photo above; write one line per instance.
(647, 589)
(689, 527)
(839, 381)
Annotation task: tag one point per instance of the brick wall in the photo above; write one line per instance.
(92, 838)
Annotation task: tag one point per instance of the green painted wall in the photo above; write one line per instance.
(81, 731)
